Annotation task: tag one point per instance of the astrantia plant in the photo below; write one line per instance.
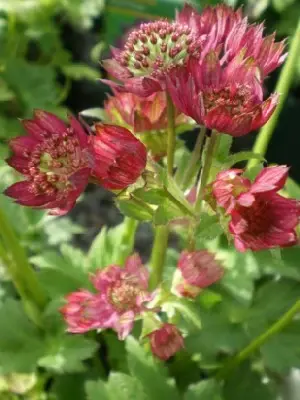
(205, 305)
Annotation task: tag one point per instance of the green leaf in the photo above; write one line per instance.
(97, 113)
(135, 210)
(151, 375)
(280, 5)
(123, 387)
(242, 156)
(166, 212)
(209, 227)
(69, 387)
(293, 188)
(80, 71)
(96, 390)
(244, 384)
(206, 390)
(224, 147)
(66, 353)
(152, 196)
(60, 230)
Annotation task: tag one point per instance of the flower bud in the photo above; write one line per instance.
(120, 158)
(166, 341)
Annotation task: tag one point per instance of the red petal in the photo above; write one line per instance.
(21, 144)
(270, 179)
(19, 163)
(49, 122)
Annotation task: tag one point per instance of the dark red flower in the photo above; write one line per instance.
(149, 53)
(228, 99)
(166, 341)
(260, 217)
(55, 160)
(120, 158)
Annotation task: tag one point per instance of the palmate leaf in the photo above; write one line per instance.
(206, 390)
(96, 390)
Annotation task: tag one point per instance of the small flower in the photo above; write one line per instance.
(120, 158)
(82, 311)
(166, 341)
(121, 295)
(260, 217)
(196, 270)
(55, 160)
(149, 53)
(226, 98)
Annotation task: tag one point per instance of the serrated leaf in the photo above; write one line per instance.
(150, 374)
(123, 387)
(206, 390)
(209, 227)
(96, 390)
(166, 212)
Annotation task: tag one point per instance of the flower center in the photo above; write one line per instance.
(156, 47)
(257, 216)
(123, 296)
(54, 160)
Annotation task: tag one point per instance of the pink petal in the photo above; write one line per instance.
(21, 144)
(246, 199)
(270, 179)
(142, 86)
(210, 72)
(79, 131)
(116, 70)
(105, 278)
(49, 122)
(33, 128)
(19, 163)
(124, 324)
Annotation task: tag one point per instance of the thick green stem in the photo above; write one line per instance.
(127, 242)
(22, 274)
(192, 167)
(283, 86)
(158, 256)
(211, 146)
(171, 135)
(277, 327)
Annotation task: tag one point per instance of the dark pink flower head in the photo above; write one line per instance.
(166, 341)
(82, 311)
(55, 160)
(198, 270)
(120, 158)
(123, 292)
(224, 30)
(149, 53)
(228, 99)
(260, 217)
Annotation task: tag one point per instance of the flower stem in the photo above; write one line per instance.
(210, 149)
(171, 134)
(180, 205)
(158, 255)
(282, 87)
(195, 157)
(127, 242)
(277, 327)
(19, 268)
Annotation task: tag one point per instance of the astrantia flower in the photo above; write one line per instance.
(122, 294)
(223, 29)
(120, 158)
(149, 53)
(260, 217)
(55, 160)
(228, 99)
(166, 341)
(196, 270)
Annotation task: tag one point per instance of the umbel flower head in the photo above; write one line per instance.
(149, 53)
(121, 295)
(196, 271)
(120, 158)
(55, 160)
(260, 217)
(166, 341)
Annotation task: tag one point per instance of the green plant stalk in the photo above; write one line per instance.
(22, 274)
(127, 242)
(211, 147)
(277, 327)
(285, 80)
(158, 255)
(195, 157)
(180, 205)
(171, 135)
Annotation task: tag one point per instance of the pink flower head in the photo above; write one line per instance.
(149, 53)
(198, 270)
(55, 160)
(260, 217)
(166, 341)
(226, 98)
(223, 29)
(120, 158)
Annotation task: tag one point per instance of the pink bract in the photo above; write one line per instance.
(166, 341)
(55, 160)
(120, 158)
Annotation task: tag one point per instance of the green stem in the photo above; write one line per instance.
(180, 205)
(22, 274)
(158, 255)
(171, 134)
(127, 241)
(192, 168)
(277, 327)
(211, 146)
(285, 80)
